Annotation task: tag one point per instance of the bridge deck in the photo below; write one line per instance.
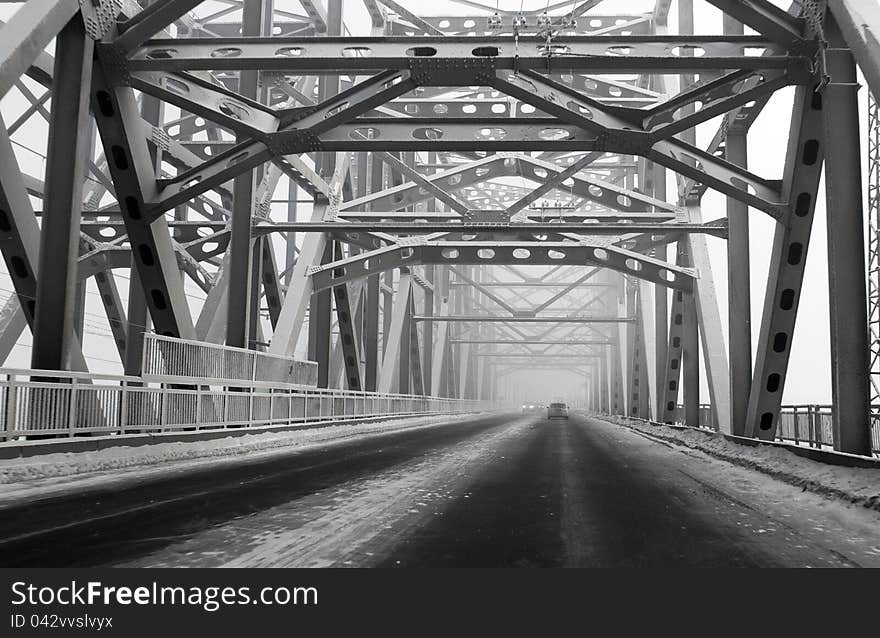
(513, 490)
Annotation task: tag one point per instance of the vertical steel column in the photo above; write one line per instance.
(428, 329)
(320, 318)
(803, 168)
(138, 322)
(439, 360)
(485, 380)
(691, 328)
(850, 352)
(415, 353)
(617, 393)
(371, 334)
(632, 372)
(642, 396)
(241, 243)
(690, 362)
(79, 308)
(403, 366)
(455, 366)
(138, 314)
(393, 336)
(372, 172)
(254, 297)
(290, 238)
(328, 86)
(428, 326)
(661, 304)
(603, 381)
(59, 239)
(739, 304)
(672, 365)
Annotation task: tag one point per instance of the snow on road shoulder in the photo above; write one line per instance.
(853, 484)
(26, 476)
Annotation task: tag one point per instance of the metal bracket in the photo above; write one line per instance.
(99, 16)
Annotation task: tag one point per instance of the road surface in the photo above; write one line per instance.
(500, 490)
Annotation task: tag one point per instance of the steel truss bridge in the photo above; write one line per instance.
(421, 205)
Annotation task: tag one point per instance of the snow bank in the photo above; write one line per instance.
(176, 455)
(855, 485)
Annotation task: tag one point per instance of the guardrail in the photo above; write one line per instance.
(51, 404)
(196, 360)
(706, 418)
(810, 425)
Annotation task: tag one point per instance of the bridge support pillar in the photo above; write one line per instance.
(371, 334)
(850, 353)
(241, 242)
(690, 345)
(53, 326)
(319, 326)
(739, 307)
(739, 314)
(661, 309)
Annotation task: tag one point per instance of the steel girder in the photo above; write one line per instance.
(441, 58)
(348, 337)
(850, 349)
(394, 335)
(53, 324)
(133, 176)
(522, 253)
(803, 168)
(711, 333)
(30, 30)
(20, 242)
(767, 19)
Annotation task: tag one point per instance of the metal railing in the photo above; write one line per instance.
(810, 425)
(813, 425)
(195, 360)
(707, 420)
(50, 404)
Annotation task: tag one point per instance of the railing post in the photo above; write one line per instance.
(123, 406)
(11, 405)
(198, 407)
(163, 409)
(814, 431)
(71, 414)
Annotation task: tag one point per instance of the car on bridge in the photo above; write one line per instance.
(557, 411)
(531, 407)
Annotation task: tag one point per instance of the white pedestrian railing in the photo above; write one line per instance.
(49, 404)
(811, 425)
(196, 360)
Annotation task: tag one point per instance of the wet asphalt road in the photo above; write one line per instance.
(569, 495)
(578, 493)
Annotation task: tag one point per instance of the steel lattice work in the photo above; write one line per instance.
(422, 204)
(874, 244)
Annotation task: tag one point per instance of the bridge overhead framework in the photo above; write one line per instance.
(425, 201)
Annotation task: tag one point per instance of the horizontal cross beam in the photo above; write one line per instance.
(494, 319)
(437, 59)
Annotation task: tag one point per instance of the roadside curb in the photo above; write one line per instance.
(27, 449)
(871, 502)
